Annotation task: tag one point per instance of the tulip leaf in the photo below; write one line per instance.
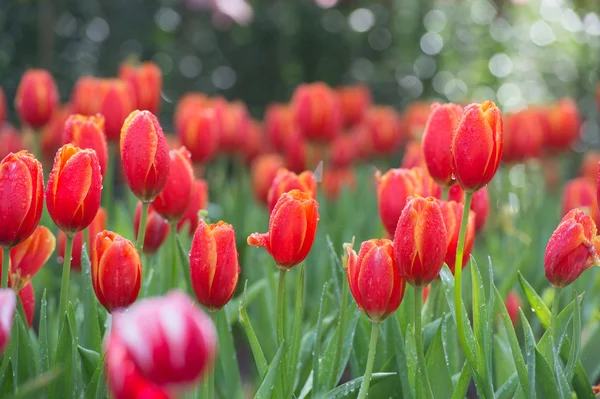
(268, 384)
(462, 385)
(8, 382)
(563, 386)
(90, 334)
(530, 351)
(227, 370)
(536, 302)
(43, 335)
(401, 360)
(336, 266)
(34, 388)
(89, 362)
(317, 345)
(481, 326)
(257, 352)
(411, 357)
(26, 367)
(64, 386)
(437, 367)
(507, 390)
(544, 379)
(350, 389)
(96, 384)
(575, 339)
(293, 351)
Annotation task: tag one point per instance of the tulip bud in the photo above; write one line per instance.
(199, 133)
(263, 170)
(581, 193)
(477, 145)
(145, 81)
(420, 241)
(214, 266)
(279, 125)
(513, 304)
(116, 271)
(8, 304)
(86, 95)
(74, 189)
(53, 136)
(572, 248)
(10, 140)
(383, 124)
(564, 124)
(97, 225)
(189, 103)
(144, 155)
(413, 156)
(21, 197)
(88, 132)
(163, 342)
(199, 202)
(354, 102)
(116, 102)
(415, 119)
(174, 199)
(452, 213)
(374, 279)
(316, 111)
(587, 169)
(234, 120)
(286, 181)
(523, 137)
(292, 229)
(437, 141)
(37, 97)
(296, 153)
(343, 151)
(336, 179)
(157, 229)
(254, 143)
(28, 257)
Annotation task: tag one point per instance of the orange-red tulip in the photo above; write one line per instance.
(157, 229)
(53, 134)
(296, 153)
(199, 132)
(146, 84)
(116, 271)
(279, 125)
(263, 170)
(452, 213)
(572, 248)
(477, 145)
(413, 156)
(28, 257)
(255, 142)
(564, 124)
(174, 199)
(374, 279)
(144, 155)
(343, 151)
(10, 140)
(86, 95)
(37, 97)
(581, 193)
(317, 111)
(437, 141)
(189, 103)
(97, 225)
(234, 121)
(286, 180)
(88, 132)
(513, 303)
(292, 229)
(198, 202)
(354, 102)
(414, 119)
(588, 167)
(21, 197)
(116, 102)
(214, 266)
(523, 137)
(420, 241)
(383, 124)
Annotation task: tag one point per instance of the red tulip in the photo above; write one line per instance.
(420, 241)
(480, 204)
(37, 97)
(116, 271)
(28, 257)
(477, 145)
(255, 142)
(8, 304)
(588, 167)
(336, 179)
(199, 131)
(523, 137)
(413, 156)
(580, 193)
(317, 111)
(279, 125)
(572, 248)
(452, 213)
(383, 124)
(296, 153)
(564, 124)
(263, 171)
(88, 132)
(189, 103)
(214, 266)
(157, 229)
(74, 189)
(145, 81)
(513, 304)
(199, 202)
(10, 140)
(354, 102)
(21, 197)
(144, 155)
(53, 134)
(414, 119)
(116, 102)
(234, 121)
(286, 181)
(374, 279)
(97, 225)
(174, 199)
(343, 151)
(437, 141)
(292, 229)
(86, 95)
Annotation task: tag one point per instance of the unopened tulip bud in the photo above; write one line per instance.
(588, 167)
(452, 213)
(88, 132)
(116, 102)
(354, 102)
(28, 257)
(477, 145)
(437, 141)
(146, 84)
(383, 124)
(513, 304)
(296, 153)
(414, 119)
(292, 229)
(21, 197)
(214, 266)
(116, 271)
(53, 136)
(317, 111)
(420, 241)
(413, 156)
(279, 125)
(580, 193)
(8, 304)
(343, 151)
(286, 180)
(234, 121)
(74, 189)
(263, 170)
(523, 137)
(157, 229)
(198, 202)
(175, 197)
(199, 132)
(572, 248)
(564, 124)
(97, 225)
(144, 155)
(37, 97)
(10, 140)
(374, 279)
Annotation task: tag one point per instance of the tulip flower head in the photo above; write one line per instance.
(175, 197)
(88, 132)
(354, 102)
(116, 271)
(572, 248)
(452, 213)
(157, 229)
(513, 303)
(263, 170)
(74, 189)
(413, 156)
(214, 266)
(145, 81)
(28, 257)
(8, 304)
(37, 97)
(477, 145)
(279, 125)
(286, 180)
(198, 202)
(383, 124)
(317, 111)
(199, 132)
(21, 197)
(581, 193)
(144, 155)
(116, 101)
(10, 139)
(374, 279)
(292, 229)
(420, 241)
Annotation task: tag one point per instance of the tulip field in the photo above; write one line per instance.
(189, 244)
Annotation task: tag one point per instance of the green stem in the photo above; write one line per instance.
(142, 227)
(5, 264)
(173, 254)
(341, 329)
(419, 343)
(280, 305)
(87, 240)
(109, 177)
(364, 388)
(64, 286)
(553, 323)
(445, 193)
